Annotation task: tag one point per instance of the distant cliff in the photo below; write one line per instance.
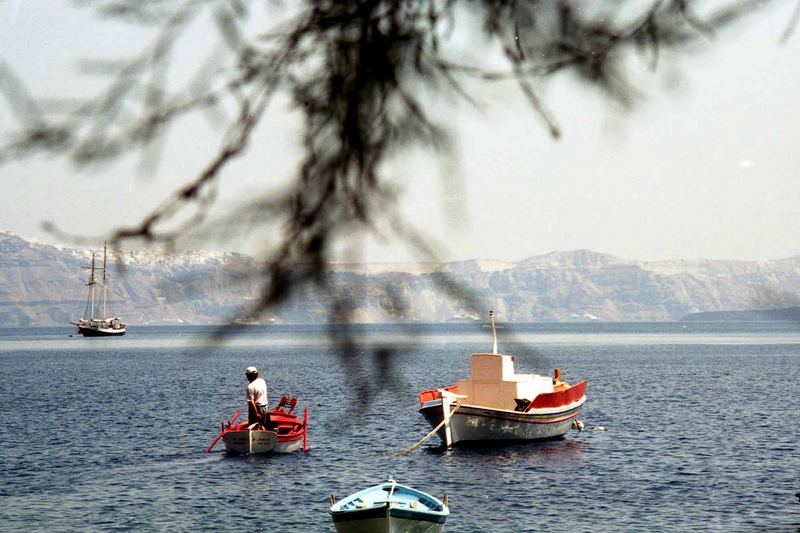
(44, 285)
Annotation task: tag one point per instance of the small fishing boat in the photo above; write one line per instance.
(106, 324)
(285, 432)
(389, 508)
(496, 404)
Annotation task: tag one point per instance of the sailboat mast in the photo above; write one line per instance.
(91, 290)
(105, 291)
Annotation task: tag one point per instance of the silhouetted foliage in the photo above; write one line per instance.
(356, 70)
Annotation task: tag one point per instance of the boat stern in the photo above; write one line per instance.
(249, 441)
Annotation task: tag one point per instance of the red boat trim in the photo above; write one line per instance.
(559, 398)
(540, 420)
(545, 400)
(297, 428)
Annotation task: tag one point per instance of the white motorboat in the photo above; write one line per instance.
(497, 404)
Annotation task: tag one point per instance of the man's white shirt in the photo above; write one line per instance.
(257, 391)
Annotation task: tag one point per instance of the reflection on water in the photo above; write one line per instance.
(490, 454)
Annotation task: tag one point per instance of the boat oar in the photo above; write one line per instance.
(429, 435)
(305, 431)
(231, 421)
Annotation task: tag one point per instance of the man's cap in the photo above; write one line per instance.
(251, 370)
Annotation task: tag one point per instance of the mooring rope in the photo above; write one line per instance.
(429, 435)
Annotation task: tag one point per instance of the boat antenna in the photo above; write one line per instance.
(494, 332)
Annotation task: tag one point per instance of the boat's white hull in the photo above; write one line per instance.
(481, 424)
(257, 441)
(289, 446)
(388, 525)
(249, 441)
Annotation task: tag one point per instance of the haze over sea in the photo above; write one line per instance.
(701, 430)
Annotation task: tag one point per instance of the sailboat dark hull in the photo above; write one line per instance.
(100, 332)
(88, 332)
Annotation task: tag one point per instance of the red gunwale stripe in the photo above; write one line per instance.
(560, 417)
(522, 418)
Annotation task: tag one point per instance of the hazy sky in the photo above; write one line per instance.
(705, 167)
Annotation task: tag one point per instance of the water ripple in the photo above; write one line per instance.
(699, 436)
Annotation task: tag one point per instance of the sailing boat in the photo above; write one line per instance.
(97, 301)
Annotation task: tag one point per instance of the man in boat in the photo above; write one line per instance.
(256, 398)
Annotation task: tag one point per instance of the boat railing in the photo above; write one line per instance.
(434, 394)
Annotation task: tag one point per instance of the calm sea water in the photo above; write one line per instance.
(701, 429)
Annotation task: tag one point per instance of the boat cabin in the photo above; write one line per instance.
(493, 383)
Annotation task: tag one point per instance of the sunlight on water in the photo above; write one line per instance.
(472, 337)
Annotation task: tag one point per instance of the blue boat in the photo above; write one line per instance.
(389, 508)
